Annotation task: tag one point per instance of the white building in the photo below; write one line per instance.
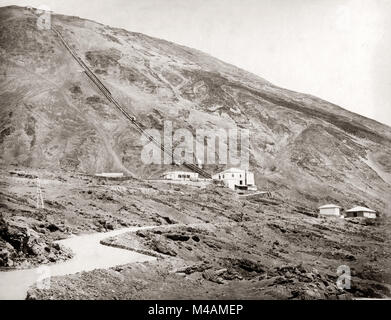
(361, 212)
(110, 174)
(180, 175)
(330, 210)
(235, 178)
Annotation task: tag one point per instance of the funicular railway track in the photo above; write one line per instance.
(131, 117)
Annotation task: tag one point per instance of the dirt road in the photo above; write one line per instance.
(89, 254)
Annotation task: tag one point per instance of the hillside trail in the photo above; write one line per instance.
(89, 254)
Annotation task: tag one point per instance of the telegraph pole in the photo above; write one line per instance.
(39, 195)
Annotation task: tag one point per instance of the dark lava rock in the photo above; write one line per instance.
(248, 265)
(200, 267)
(178, 237)
(169, 220)
(52, 227)
(109, 226)
(196, 238)
(142, 233)
(19, 244)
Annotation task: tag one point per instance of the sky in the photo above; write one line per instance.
(338, 50)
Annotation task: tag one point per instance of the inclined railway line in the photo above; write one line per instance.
(131, 117)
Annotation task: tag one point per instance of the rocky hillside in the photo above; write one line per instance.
(53, 117)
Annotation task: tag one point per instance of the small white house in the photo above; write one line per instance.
(235, 178)
(361, 212)
(110, 174)
(180, 175)
(330, 210)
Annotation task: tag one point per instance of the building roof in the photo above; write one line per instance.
(110, 174)
(233, 170)
(360, 209)
(179, 172)
(329, 206)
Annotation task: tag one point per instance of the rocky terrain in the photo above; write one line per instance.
(254, 249)
(22, 246)
(53, 117)
(214, 244)
(57, 126)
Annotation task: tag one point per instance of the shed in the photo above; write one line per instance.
(330, 210)
(361, 212)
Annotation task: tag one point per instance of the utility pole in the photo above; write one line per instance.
(39, 195)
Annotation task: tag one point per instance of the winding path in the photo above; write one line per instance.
(89, 254)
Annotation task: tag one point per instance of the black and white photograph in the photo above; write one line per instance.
(177, 150)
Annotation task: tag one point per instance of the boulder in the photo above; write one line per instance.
(213, 276)
(163, 248)
(22, 246)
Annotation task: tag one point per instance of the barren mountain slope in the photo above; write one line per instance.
(211, 243)
(52, 115)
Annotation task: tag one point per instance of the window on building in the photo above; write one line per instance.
(232, 175)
